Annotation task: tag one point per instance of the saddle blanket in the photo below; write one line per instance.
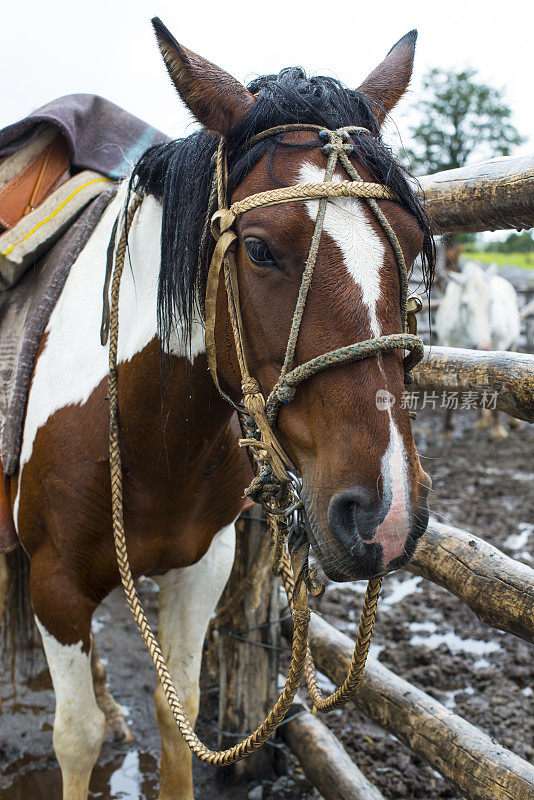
(101, 136)
(104, 142)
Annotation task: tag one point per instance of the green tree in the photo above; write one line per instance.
(514, 243)
(461, 120)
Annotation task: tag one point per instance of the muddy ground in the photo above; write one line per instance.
(422, 633)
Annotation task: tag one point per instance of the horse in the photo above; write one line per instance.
(479, 311)
(363, 488)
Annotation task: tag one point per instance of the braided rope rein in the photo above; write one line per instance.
(301, 658)
(300, 613)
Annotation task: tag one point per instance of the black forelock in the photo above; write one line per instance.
(179, 174)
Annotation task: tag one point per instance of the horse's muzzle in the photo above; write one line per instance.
(359, 544)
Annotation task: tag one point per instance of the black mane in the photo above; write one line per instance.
(179, 174)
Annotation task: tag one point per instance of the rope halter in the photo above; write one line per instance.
(274, 471)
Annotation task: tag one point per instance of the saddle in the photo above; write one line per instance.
(39, 199)
(30, 175)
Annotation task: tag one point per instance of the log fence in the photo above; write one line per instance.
(499, 589)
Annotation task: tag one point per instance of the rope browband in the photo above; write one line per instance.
(275, 484)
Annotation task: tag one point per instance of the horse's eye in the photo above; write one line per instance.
(259, 253)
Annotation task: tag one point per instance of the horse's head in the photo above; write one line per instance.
(346, 430)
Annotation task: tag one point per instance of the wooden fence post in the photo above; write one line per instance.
(248, 647)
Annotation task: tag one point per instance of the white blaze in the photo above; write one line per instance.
(363, 252)
(363, 256)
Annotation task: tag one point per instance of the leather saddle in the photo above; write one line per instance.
(40, 197)
(30, 175)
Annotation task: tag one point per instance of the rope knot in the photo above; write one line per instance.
(253, 399)
(250, 386)
(338, 142)
(221, 221)
(285, 392)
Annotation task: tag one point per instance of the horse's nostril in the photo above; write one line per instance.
(352, 513)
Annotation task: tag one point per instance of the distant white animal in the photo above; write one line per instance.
(479, 311)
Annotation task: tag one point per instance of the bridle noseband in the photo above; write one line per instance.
(274, 485)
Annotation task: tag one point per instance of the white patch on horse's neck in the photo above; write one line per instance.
(363, 252)
(73, 362)
(197, 342)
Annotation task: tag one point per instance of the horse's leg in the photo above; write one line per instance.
(450, 421)
(187, 600)
(79, 723)
(484, 420)
(498, 431)
(115, 722)
(3, 587)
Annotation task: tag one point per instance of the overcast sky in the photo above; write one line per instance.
(107, 47)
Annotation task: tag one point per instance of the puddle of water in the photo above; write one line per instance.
(99, 620)
(128, 776)
(521, 475)
(519, 540)
(449, 697)
(124, 782)
(455, 644)
(39, 785)
(423, 627)
(352, 586)
(399, 589)
(376, 649)
(325, 684)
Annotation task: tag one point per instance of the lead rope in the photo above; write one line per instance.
(300, 654)
(300, 610)
(346, 691)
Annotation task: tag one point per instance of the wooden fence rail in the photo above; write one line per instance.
(496, 194)
(461, 752)
(509, 377)
(325, 762)
(499, 589)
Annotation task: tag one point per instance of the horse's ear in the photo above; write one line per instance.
(387, 83)
(216, 99)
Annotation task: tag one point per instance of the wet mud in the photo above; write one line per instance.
(423, 633)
